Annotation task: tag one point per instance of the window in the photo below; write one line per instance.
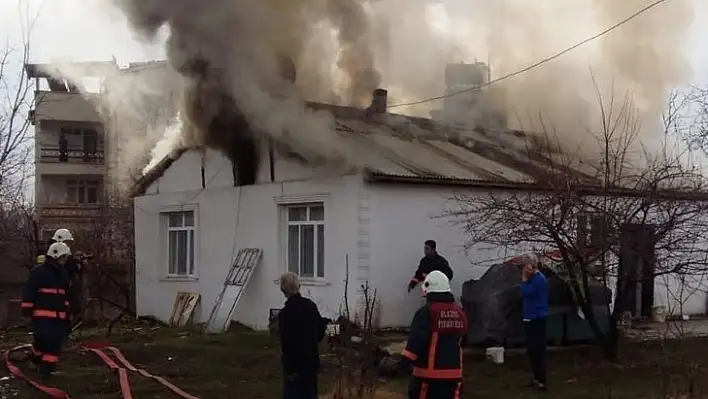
(592, 230)
(180, 243)
(305, 240)
(82, 191)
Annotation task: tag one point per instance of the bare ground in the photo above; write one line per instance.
(245, 364)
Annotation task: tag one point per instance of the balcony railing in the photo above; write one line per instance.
(70, 210)
(72, 156)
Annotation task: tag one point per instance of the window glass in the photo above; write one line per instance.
(297, 214)
(307, 251)
(293, 251)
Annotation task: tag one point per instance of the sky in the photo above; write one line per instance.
(92, 31)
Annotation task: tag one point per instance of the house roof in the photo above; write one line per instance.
(156, 172)
(392, 147)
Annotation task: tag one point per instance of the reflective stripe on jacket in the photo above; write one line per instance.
(434, 344)
(46, 293)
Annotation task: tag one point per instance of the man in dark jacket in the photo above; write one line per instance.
(534, 292)
(434, 345)
(431, 261)
(46, 298)
(301, 331)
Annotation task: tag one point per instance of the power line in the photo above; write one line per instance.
(539, 63)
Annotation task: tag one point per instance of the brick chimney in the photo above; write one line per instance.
(379, 101)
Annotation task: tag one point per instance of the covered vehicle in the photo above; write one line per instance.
(493, 306)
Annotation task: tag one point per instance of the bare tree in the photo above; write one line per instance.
(15, 104)
(17, 229)
(356, 347)
(689, 111)
(623, 221)
(110, 260)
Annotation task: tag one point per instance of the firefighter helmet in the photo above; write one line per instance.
(62, 235)
(435, 281)
(57, 250)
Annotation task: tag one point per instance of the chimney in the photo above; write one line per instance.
(379, 101)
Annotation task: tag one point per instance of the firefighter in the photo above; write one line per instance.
(74, 267)
(431, 261)
(435, 343)
(46, 299)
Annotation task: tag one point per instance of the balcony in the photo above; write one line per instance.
(76, 162)
(63, 106)
(70, 211)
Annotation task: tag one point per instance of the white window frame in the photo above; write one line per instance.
(192, 249)
(285, 204)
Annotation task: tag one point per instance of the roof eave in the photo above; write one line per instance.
(141, 186)
(373, 176)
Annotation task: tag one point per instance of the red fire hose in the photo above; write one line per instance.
(97, 348)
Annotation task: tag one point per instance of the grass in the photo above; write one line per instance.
(246, 364)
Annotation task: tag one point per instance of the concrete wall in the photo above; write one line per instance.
(64, 106)
(229, 218)
(378, 230)
(400, 218)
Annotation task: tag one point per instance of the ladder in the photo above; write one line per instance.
(235, 284)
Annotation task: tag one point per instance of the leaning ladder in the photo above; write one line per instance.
(234, 285)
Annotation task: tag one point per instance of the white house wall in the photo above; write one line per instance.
(401, 219)
(229, 218)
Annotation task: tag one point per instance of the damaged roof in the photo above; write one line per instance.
(421, 148)
(393, 147)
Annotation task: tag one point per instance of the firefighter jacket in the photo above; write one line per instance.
(427, 265)
(434, 345)
(47, 293)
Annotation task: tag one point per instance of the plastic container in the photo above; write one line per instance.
(495, 354)
(658, 314)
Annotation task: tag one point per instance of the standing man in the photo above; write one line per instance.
(63, 148)
(46, 298)
(431, 261)
(534, 292)
(301, 331)
(434, 345)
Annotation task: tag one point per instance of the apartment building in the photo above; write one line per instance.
(72, 148)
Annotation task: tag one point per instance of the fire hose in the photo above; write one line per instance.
(98, 349)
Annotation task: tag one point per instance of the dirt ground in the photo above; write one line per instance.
(245, 364)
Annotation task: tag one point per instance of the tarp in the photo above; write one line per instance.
(493, 303)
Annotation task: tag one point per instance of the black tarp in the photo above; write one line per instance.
(493, 304)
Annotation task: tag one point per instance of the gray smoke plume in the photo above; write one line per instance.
(644, 58)
(229, 54)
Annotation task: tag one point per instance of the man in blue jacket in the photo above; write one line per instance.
(534, 292)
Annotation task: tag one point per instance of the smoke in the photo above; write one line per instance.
(643, 59)
(228, 54)
(170, 141)
(136, 105)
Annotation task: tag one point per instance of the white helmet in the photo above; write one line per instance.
(435, 281)
(58, 249)
(62, 235)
